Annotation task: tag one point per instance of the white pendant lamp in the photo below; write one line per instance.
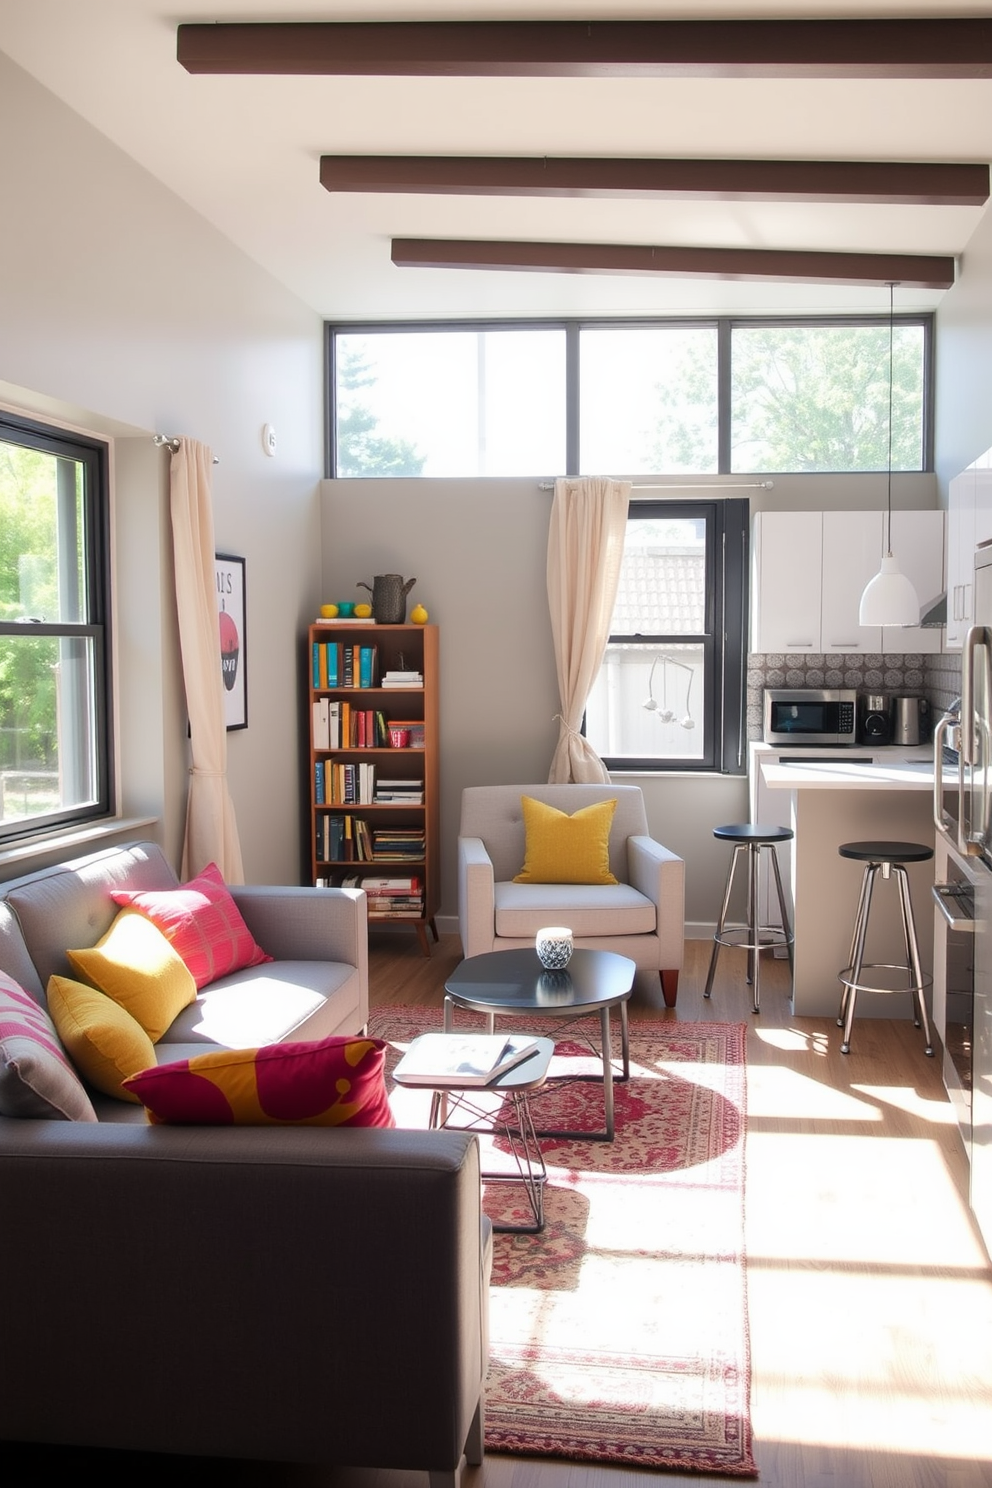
(889, 598)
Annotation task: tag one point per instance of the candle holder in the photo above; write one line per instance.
(554, 947)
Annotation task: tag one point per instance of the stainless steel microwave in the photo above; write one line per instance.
(810, 715)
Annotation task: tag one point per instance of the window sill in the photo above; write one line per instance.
(73, 841)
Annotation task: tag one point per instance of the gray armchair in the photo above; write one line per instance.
(642, 916)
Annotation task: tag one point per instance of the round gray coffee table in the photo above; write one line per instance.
(511, 983)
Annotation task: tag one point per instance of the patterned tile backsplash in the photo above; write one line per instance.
(935, 676)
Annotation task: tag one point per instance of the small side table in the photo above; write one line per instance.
(513, 1088)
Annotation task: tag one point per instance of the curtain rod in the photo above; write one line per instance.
(172, 442)
(686, 486)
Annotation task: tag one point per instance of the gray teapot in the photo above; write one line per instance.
(389, 594)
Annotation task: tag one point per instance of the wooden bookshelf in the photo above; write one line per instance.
(374, 806)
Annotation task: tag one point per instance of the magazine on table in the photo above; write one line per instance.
(469, 1058)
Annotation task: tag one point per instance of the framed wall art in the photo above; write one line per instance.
(230, 573)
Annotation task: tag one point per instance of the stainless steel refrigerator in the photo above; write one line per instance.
(964, 814)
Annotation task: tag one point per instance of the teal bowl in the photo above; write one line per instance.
(346, 608)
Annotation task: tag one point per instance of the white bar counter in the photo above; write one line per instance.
(827, 803)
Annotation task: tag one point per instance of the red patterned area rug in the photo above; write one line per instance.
(619, 1334)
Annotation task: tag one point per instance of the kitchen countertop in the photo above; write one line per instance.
(828, 800)
(915, 775)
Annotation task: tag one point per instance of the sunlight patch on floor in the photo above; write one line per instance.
(793, 1040)
(905, 1098)
(857, 1201)
(774, 1091)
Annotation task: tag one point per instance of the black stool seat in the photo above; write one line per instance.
(753, 832)
(886, 852)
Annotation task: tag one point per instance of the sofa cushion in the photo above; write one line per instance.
(590, 910)
(136, 966)
(330, 1082)
(566, 849)
(289, 1000)
(101, 1038)
(36, 1079)
(202, 922)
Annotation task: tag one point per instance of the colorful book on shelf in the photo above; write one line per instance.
(462, 1059)
(366, 666)
(333, 652)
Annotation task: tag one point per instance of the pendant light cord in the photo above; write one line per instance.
(888, 534)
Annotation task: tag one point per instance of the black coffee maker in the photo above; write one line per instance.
(874, 718)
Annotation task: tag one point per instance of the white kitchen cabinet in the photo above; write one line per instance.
(852, 551)
(786, 564)
(960, 557)
(982, 468)
(810, 569)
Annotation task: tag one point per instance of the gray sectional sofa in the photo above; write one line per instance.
(305, 1294)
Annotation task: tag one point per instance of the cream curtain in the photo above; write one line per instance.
(211, 828)
(585, 550)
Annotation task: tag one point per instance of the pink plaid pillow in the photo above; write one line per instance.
(36, 1078)
(202, 923)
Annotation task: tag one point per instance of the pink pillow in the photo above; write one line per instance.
(202, 923)
(335, 1081)
(36, 1078)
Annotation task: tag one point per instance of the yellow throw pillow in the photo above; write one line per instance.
(136, 966)
(567, 849)
(104, 1042)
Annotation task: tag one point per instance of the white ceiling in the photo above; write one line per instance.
(244, 152)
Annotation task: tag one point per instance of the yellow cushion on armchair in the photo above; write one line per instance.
(567, 849)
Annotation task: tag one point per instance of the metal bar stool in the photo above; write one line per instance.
(888, 859)
(749, 838)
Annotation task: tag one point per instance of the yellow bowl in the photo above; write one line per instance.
(329, 612)
(363, 611)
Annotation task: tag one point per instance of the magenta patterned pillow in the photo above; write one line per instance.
(203, 924)
(36, 1078)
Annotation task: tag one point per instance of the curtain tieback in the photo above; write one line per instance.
(560, 718)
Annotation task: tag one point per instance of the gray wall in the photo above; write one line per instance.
(124, 313)
(478, 550)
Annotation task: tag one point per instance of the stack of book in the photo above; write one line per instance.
(394, 896)
(399, 792)
(402, 679)
(397, 844)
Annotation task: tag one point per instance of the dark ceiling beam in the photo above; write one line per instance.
(707, 180)
(951, 47)
(916, 271)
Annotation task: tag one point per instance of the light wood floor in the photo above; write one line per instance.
(870, 1291)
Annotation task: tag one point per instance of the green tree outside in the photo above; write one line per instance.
(28, 590)
(816, 398)
(360, 450)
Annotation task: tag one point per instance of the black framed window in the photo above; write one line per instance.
(55, 736)
(628, 398)
(670, 691)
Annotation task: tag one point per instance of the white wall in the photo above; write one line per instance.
(963, 426)
(123, 312)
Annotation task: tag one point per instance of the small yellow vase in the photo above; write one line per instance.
(418, 615)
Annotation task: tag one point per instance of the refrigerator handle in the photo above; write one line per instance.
(939, 735)
(972, 641)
